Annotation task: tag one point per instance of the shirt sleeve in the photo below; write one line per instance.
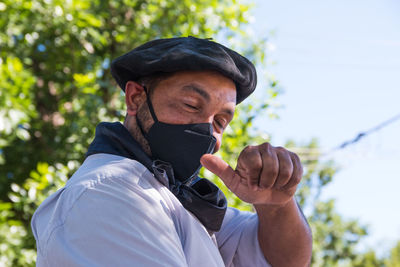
(113, 225)
(238, 240)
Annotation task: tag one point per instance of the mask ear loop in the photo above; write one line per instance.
(153, 114)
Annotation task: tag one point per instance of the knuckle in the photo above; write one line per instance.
(250, 148)
(250, 163)
(297, 179)
(294, 156)
(301, 171)
(248, 151)
(285, 172)
(268, 152)
(254, 165)
(266, 184)
(283, 152)
(265, 146)
(298, 167)
(274, 170)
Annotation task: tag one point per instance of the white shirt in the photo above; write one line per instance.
(113, 212)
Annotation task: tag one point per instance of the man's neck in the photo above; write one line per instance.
(132, 127)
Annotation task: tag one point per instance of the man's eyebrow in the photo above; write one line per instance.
(198, 90)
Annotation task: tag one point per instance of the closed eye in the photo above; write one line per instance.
(191, 107)
(221, 124)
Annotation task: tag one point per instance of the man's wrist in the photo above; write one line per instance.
(274, 208)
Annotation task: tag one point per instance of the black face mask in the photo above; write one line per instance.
(181, 145)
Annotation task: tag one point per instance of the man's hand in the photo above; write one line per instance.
(264, 174)
(267, 177)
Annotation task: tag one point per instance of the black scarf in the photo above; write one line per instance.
(201, 197)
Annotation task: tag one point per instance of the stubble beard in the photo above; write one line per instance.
(143, 115)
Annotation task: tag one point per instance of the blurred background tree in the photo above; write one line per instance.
(55, 87)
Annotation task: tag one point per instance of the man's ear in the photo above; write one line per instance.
(134, 97)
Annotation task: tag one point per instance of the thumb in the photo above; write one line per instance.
(219, 167)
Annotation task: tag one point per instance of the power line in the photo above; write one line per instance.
(315, 153)
(368, 132)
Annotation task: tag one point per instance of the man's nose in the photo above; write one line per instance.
(216, 133)
(218, 143)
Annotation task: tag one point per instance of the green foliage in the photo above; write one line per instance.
(55, 86)
(15, 101)
(335, 239)
(368, 259)
(394, 259)
(17, 242)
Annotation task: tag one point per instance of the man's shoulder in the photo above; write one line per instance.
(104, 187)
(99, 167)
(109, 177)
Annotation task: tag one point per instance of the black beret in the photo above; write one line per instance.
(185, 53)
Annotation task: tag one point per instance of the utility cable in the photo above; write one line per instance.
(314, 152)
(368, 132)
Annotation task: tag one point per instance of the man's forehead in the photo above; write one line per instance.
(194, 88)
(206, 84)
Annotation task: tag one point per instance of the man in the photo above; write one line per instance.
(137, 199)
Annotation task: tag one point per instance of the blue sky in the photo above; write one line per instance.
(339, 65)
